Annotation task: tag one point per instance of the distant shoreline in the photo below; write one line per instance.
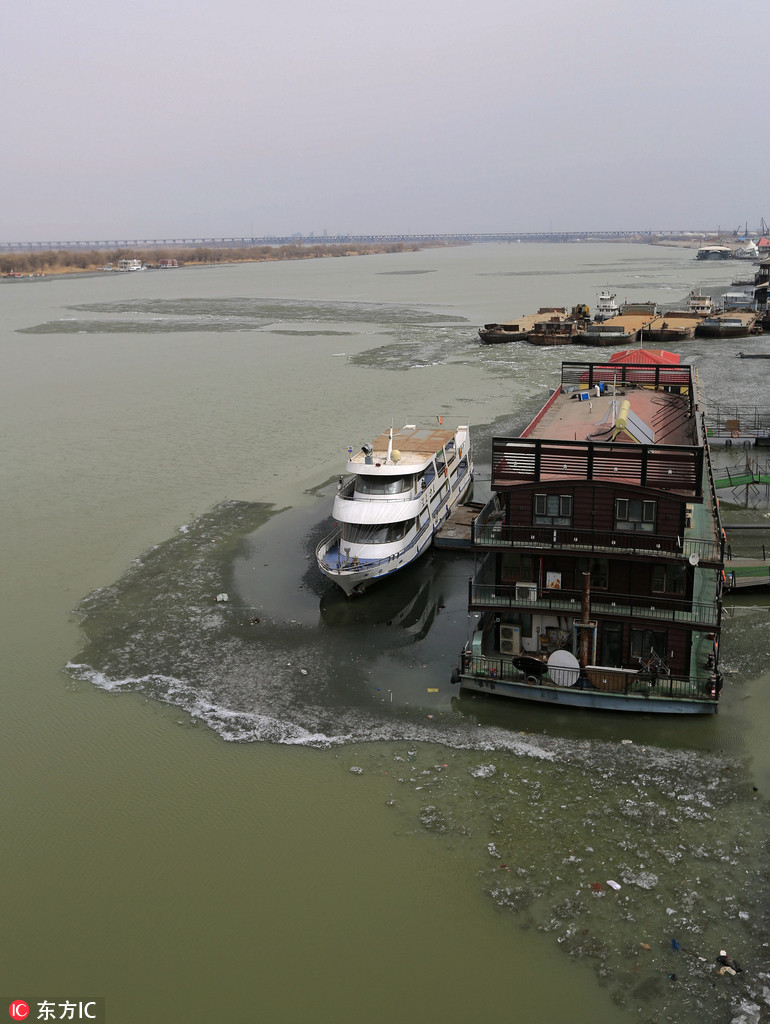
(52, 263)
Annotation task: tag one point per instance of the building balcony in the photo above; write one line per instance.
(491, 533)
(525, 597)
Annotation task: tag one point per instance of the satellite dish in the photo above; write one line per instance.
(694, 559)
(563, 668)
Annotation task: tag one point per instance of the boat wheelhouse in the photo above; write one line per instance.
(399, 490)
(599, 558)
(606, 306)
(699, 304)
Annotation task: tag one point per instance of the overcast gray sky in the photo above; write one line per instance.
(171, 118)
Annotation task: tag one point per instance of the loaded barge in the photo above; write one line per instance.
(599, 558)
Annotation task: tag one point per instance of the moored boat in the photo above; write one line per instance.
(714, 252)
(618, 330)
(699, 304)
(606, 306)
(735, 324)
(398, 491)
(556, 331)
(674, 326)
(599, 558)
(521, 328)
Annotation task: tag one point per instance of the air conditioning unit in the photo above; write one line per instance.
(526, 592)
(510, 639)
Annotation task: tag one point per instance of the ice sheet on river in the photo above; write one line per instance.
(547, 820)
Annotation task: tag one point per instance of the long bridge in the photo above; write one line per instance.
(298, 239)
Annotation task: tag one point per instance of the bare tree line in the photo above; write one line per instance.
(61, 261)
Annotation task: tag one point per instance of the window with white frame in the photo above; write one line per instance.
(635, 514)
(553, 510)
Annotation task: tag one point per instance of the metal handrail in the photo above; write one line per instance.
(497, 534)
(330, 538)
(663, 609)
(675, 687)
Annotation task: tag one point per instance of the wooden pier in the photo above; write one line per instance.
(741, 573)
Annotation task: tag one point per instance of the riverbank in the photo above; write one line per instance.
(51, 262)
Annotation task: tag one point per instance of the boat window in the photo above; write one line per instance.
(375, 533)
(553, 510)
(634, 514)
(384, 484)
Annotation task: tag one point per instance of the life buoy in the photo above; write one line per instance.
(736, 433)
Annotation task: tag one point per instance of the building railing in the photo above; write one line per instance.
(657, 608)
(493, 533)
(583, 376)
(524, 460)
(606, 680)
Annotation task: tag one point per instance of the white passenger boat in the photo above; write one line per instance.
(398, 491)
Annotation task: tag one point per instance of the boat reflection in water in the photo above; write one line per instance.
(399, 605)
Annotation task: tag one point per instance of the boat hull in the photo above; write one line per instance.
(491, 336)
(543, 693)
(607, 339)
(355, 580)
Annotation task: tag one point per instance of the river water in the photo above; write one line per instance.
(367, 845)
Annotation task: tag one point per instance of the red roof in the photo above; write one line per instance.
(644, 355)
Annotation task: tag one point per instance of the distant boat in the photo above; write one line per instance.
(700, 304)
(554, 332)
(618, 330)
(740, 298)
(714, 252)
(606, 306)
(736, 324)
(130, 265)
(521, 328)
(748, 251)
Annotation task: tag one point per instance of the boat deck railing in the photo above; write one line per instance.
(330, 554)
(658, 608)
(612, 681)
